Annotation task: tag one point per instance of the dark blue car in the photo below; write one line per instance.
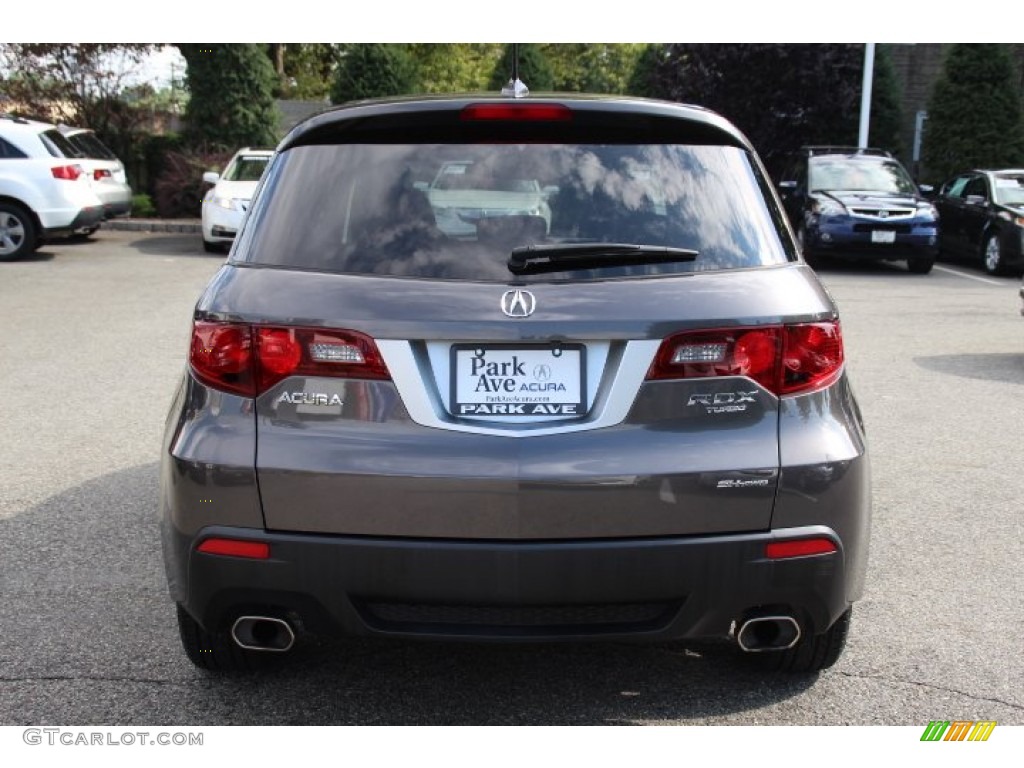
(859, 204)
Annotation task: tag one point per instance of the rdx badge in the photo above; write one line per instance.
(724, 402)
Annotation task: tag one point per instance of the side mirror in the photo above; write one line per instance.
(978, 200)
(211, 177)
(926, 189)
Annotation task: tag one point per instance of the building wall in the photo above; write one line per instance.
(917, 68)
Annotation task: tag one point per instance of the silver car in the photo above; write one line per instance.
(627, 418)
(106, 173)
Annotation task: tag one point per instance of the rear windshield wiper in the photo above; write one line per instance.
(558, 257)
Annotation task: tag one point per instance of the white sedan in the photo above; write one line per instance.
(225, 204)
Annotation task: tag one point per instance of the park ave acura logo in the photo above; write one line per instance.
(518, 303)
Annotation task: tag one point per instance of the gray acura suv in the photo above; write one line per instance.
(596, 394)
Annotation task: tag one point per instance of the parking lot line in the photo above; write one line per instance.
(958, 273)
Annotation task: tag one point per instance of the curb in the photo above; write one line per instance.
(180, 226)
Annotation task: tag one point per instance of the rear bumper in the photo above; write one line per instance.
(220, 224)
(657, 589)
(85, 219)
(117, 209)
(115, 196)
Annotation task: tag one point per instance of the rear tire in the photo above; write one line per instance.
(814, 262)
(17, 232)
(921, 265)
(813, 653)
(213, 651)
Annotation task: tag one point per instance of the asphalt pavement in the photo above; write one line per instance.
(92, 344)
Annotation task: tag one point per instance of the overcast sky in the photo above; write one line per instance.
(156, 69)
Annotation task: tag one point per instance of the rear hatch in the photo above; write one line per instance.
(620, 379)
(105, 171)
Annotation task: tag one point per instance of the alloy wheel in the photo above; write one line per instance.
(12, 233)
(993, 257)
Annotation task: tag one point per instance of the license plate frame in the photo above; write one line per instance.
(533, 392)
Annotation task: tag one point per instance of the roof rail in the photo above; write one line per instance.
(831, 149)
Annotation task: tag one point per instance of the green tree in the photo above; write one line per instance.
(534, 69)
(454, 67)
(592, 67)
(372, 70)
(644, 79)
(658, 71)
(781, 95)
(78, 84)
(304, 70)
(974, 114)
(231, 103)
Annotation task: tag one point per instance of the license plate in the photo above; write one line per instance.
(498, 381)
(883, 236)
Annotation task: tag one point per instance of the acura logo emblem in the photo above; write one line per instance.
(518, 303)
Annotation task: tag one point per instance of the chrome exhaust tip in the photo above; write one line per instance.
(768, 633)
(263, 633)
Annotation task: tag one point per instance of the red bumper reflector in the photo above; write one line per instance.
(779, 550)
(254, 550)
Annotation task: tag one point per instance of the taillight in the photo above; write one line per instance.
(751, 352)
(812, 357)
(66, 172)
(785, 359)
(248, 360)
(221, 356)
(517, 112)
(100, 173)
(283, 352)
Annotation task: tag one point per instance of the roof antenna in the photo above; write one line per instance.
(515, 87)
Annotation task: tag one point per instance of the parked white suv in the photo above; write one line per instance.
(44, 190)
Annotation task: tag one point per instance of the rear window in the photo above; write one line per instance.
(58, 145)
(1010, 188)
(89, 146)
(455, 211)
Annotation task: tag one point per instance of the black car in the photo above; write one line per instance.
(983, 218)
(859, 204)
